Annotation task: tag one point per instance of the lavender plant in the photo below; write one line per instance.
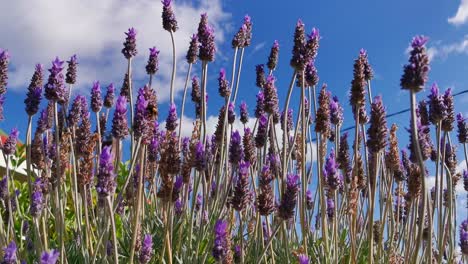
(236, 196)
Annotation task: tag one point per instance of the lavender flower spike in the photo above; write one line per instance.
(70, 76)
(55, 87)
(129, 49)
(447, 122)
(193, 50)
(9, 256)
(336, 112)
(200, 157)
(146, 250)
(37, 199)
(119, 122)
(377, 131)
(241, 191)
(236, 152)
(274, 54)
(464, 237)
(9, 147)
(153, 63)
(415, 72)
(289, 199)
(244, 113)
(96, 98)
(50, 257)
(110, 96)
(206, 38)
(298, 60)
(303, 259)
(220, 241)
(106, 179)
(331, 172)
(4, 61)
(171, 120)
(223, 84)
(437, 108)
(33, 99)
(462, 129)
(168, 17)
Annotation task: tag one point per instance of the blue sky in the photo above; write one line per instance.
(95, 33)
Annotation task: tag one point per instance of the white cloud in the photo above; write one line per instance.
(440, 50)
(37, 31)
(461, 17)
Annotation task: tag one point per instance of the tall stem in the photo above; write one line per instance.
(423, 173)
(174, 62)
(183, 102)
(114, 235)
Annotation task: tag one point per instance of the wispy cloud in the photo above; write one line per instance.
(94, 30)
(443, 50)
(461, 17)
(257, 48)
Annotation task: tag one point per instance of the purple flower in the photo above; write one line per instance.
(37, 199)
(265, 198)
(220, 241)
(168, 17)
(200, 157)
(4, 61)
(241, 195)
(309, 200)
(368, 73)
(2, 101)
(261, 137)
(9, 256)
(289, 118)
(223, 84)
(244, 113)
(236, 152)
(322, 119)
(271, 95)
(377, 131)
(415, 72)
(437, 109)
(462, 129)
(331, 172)
(303, 259)
(336, 112)
(178, 207)
(260, 107)
(4, 189)
(106, 178)
(75, 111)
(289, 198)
(330, 208)
(55, 86)
(260, 73)
(447, 122)
(171, 120)
(146, 249)
(96, 98)
(243, 37)
(129, 49)
(310, 74)
(464, 237)
(141, 126)
(465, 180)
(109, 98)
(274, 54)
(50, 257)
(357, 97)
(312, 44)
(9, 147)
(33, 99)
(231, 113)
(119, 122)
(153, 63)
(70, 76)
(298, 60)
(193, 50)
(206, 38)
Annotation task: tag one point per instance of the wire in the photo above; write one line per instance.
(393, 114)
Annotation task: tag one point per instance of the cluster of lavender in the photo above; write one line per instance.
(234, 196)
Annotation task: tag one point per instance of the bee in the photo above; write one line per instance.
(152, 110)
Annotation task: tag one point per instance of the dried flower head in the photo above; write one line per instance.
(4, 61)
(377, 131)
